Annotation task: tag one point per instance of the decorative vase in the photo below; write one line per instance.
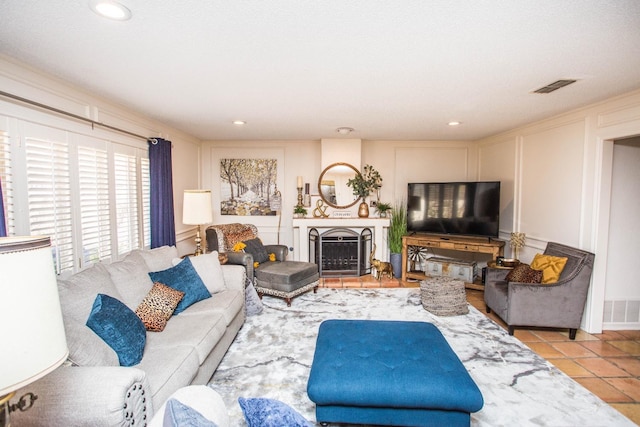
(363, 210)
(396, 263)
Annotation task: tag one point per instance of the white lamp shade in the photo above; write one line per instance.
(33, 339)
(196, 209)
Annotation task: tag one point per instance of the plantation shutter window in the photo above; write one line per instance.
(89, 193)
(6, 179)
(146, 200)
(95, 218)
(126, 189)
(49, 195)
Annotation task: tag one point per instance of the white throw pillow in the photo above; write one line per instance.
(159, 259)
(208, 268)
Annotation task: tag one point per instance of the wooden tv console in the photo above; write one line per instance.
(484, 245)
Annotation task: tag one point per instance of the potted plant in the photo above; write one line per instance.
(363, 184)
(397, 229)
(299, 211)
(383, 208)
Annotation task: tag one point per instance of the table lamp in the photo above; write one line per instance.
(34, 342)
(517, 241)
(196, 210)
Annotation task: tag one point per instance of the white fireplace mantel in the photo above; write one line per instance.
(301, 228)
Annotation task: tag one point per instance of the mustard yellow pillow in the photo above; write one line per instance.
(551, 267)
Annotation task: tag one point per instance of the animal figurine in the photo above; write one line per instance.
(380, 266)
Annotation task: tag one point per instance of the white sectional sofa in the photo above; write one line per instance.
(92, 389)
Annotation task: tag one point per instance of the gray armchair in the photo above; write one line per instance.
(216, 241)
(557, 305)
(282, 278)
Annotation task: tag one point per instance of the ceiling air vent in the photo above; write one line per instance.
(554, 86)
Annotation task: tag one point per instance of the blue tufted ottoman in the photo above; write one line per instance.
(389, 373)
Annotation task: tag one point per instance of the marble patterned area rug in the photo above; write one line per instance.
(272, 354)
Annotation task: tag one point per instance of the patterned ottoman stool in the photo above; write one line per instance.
(389, 373)
(286, 279)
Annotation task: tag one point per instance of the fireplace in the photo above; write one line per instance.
(341, 252)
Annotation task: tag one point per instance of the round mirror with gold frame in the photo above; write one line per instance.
(333, 188)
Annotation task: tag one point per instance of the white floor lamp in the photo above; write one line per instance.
(197, 210)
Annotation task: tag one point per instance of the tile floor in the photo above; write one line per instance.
(607, 364)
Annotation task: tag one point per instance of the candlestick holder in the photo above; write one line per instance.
(299, 196)
(307, 197)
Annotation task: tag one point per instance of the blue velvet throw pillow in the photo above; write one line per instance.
(119, 327)
(185, 278)
(177, 414)
(263, 412)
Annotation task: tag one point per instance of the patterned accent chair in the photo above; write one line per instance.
(280, 278)
(555, 305)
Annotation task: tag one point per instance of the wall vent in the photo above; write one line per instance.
(554, 86)
(622, 313)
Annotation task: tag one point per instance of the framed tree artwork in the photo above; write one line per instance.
(247, 185)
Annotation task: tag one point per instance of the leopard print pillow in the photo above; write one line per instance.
(230, 239)
(158, 306)
(523, 273)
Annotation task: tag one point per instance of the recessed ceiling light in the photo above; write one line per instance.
(239, 122)
(454, 123)
(110, 9)
(344, 130)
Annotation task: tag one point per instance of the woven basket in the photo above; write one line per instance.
(443, 296)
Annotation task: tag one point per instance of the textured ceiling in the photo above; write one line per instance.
(298, 69)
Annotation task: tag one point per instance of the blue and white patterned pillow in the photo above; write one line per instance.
(263, 412)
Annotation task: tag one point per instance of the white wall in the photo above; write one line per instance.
(398, 162)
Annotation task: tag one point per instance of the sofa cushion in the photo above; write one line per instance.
(256, 249)
(183, 277)
(85, 347)
(158, 306)
(159, 258)
(209, 269)
(79, 291)
(131, 278)
(77, 294)
(551, 267)
(168, 369)
(226, 303)
(523, 273)
(201, 332)
(119, 327)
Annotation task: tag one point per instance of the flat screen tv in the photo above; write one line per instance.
(459, 208)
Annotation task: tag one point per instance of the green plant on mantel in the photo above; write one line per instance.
(383, 208)
(397, 227)
(366, 182)
(300, 210)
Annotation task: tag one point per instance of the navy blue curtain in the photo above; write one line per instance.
(163, 226)
(3, 224)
